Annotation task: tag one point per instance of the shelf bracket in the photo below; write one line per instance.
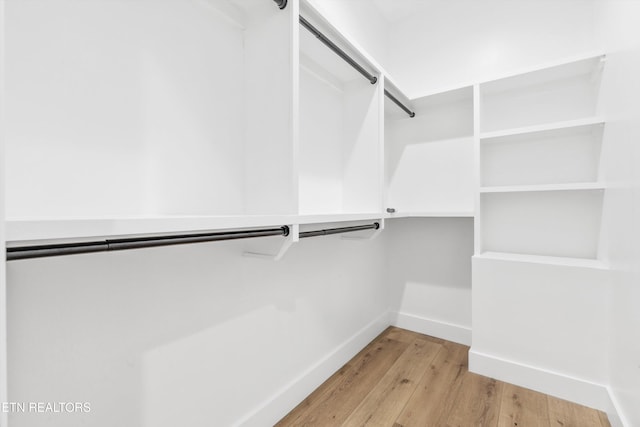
(370, 236)
(273, 252)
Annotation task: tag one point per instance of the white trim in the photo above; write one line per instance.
(574, 186)
(489, 137)
(284, 400)
(557, 384)
(430, 214)
(546, 260)
(435, 328)
(615, 413)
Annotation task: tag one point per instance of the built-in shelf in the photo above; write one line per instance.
(487, 137)
(549, 187)
(564, 92)
(430, 158)
(548, 260)
(338, 159)
(43, 229)
(545, 223)
(512, 73)
(452, 214)
(50, 229)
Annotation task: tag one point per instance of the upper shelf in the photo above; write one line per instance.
(512, 73)
(431, 214)
(25, 230)
(548, 187)
(545, 260)
(566, 92)
(445, 102)
(489, 136)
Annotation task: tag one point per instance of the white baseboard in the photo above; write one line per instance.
(553, 383)
(285, 399)
(615, 413)
(434, 328)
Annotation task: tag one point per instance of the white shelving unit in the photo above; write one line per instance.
(340, 165)
(175, 133)
(430, 161)
(539, 140)
(555, 223)
(563, 92)
(538, 248)
(268, 128)
(562, 153)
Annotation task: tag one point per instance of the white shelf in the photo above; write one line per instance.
(517, 72)
(550, 187)
(549, 260)
(564, 92)
(488, 136)
(451, 214)
(430, 158)
(546, 223)
(78, 228)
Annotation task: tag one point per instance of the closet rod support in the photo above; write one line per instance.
(39, 251)
(281, 3)
(341, 53)
(399, 104)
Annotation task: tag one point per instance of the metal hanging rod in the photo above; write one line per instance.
(399, 104)
(281, 3)
(38, 251)
(341, 53)
(340, 230)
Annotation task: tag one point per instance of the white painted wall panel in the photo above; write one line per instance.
(620, 31)
(429, 261)
(185, 335)
(550, 317)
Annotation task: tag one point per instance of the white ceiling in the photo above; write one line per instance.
(397, 10)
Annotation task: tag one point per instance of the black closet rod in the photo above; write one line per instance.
(339, 230)
(399, 104)
(341, 53)
(38, 251)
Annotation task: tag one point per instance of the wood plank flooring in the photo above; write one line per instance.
(404, 379)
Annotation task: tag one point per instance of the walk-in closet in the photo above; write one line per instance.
(322, 213)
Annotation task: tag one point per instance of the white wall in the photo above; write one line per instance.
(454, 42)
(3, 314)
(543, 327)
(620, 31)
(188, 335)
(430, 275)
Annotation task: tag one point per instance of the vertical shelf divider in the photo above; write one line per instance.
(477, 219)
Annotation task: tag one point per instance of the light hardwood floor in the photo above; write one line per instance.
(404, 379)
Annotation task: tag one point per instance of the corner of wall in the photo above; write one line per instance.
(294, 392)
